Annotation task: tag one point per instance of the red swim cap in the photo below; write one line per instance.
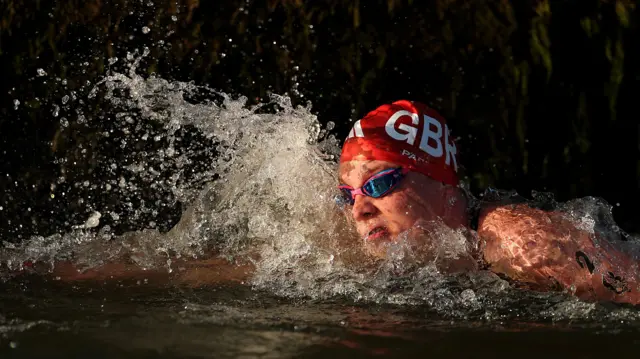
(409, 134)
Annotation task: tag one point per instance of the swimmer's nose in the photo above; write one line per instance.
(363, 208)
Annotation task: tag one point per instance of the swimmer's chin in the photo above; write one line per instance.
(377, 242)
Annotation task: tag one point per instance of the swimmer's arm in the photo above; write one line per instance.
(189, 272)
(546, 251)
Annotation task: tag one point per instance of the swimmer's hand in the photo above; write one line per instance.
(547, 251)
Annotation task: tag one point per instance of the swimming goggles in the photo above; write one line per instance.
(378, 185)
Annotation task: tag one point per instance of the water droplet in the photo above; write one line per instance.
(174, 18)
(93, 220)
(93, 93)
(145, 30)
(112, 60)
(41, 72)
(16, 103)
(65, 99)
(56, 110)
(13, 345)
(468, 296)
(64, 122)
(64, 82)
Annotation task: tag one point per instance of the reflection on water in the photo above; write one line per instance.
(263, 192)
(232, 322)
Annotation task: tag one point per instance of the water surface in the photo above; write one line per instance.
(53, 320)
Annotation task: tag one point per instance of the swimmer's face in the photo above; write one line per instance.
(380, 220)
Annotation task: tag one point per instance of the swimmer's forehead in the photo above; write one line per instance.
(361, 169)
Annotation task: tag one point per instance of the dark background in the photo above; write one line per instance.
(543, 95)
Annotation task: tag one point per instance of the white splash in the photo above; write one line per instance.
(266, 193)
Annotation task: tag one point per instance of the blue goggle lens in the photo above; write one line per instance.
(376, 187)
(380, 186)
(346, 197)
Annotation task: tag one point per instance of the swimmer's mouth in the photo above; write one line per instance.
(376, 233)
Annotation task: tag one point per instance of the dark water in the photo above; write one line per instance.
(253, 202)
(49, 320)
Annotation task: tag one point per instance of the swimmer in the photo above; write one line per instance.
(399, 174)
(399, 168)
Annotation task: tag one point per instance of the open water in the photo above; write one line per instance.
(262, 191)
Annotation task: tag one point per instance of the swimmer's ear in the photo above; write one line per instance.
(454, 195)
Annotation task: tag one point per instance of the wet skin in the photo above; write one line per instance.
(535, 249)
(417, 198)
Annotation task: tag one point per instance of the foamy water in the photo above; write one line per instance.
(264, 191)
